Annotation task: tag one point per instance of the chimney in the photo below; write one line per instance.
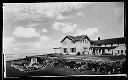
(98, 38)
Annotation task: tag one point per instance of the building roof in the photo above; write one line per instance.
(109, 47)
(57, 48)
(120, 40)
(77, 38)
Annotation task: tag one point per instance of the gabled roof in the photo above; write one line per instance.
(99, 47)
(120, 40)
(77, 38)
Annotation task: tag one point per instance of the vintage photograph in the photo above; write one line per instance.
(64, 39)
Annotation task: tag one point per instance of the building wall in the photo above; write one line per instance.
(103, 45)
(79, 45)
(120, 47)
(115, 45)
(66, 44)
(90, 51)
(108, 51)
(108, 45)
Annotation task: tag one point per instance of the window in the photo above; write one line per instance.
(103, 45)
(65, 50)
(72, 42)
(115, 44)
(84, 40)
(109, 50)
(118, 51)
(73, 50)
(99, 50)
(121, 51)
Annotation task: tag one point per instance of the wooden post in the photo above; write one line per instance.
(100, 51)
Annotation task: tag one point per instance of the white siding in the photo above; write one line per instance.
(103, 45)
(108, 45)
(120, 47)
(121, 44)
(115, 45)
(78, 45)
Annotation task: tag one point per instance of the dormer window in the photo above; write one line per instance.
(84, 40)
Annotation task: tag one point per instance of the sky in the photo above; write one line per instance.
(39, 27)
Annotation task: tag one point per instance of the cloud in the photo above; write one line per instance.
(64, 27)
(8, 39)
(74, 16)
(61, 17)
(41, 10)
(79, 14)
(118, 11)
(45, 44)
(59, 7)
(44, 38)
(55, 9)
(44, 30)
(7, 42)
(33, 25)
(17, 48)
(25, 32)
(91, 32)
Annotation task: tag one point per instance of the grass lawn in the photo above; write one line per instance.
(54, 71)
(50, 71)
(94, 57)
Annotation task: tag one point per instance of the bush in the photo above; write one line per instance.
(78, 53)
(61, 53)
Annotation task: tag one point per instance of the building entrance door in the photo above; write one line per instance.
(103, 51)
(85, 51)
(65, 50)
(93, 50)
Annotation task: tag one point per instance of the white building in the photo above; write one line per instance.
(111, 46)
(72, 45)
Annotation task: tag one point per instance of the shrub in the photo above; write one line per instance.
(78, 53)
